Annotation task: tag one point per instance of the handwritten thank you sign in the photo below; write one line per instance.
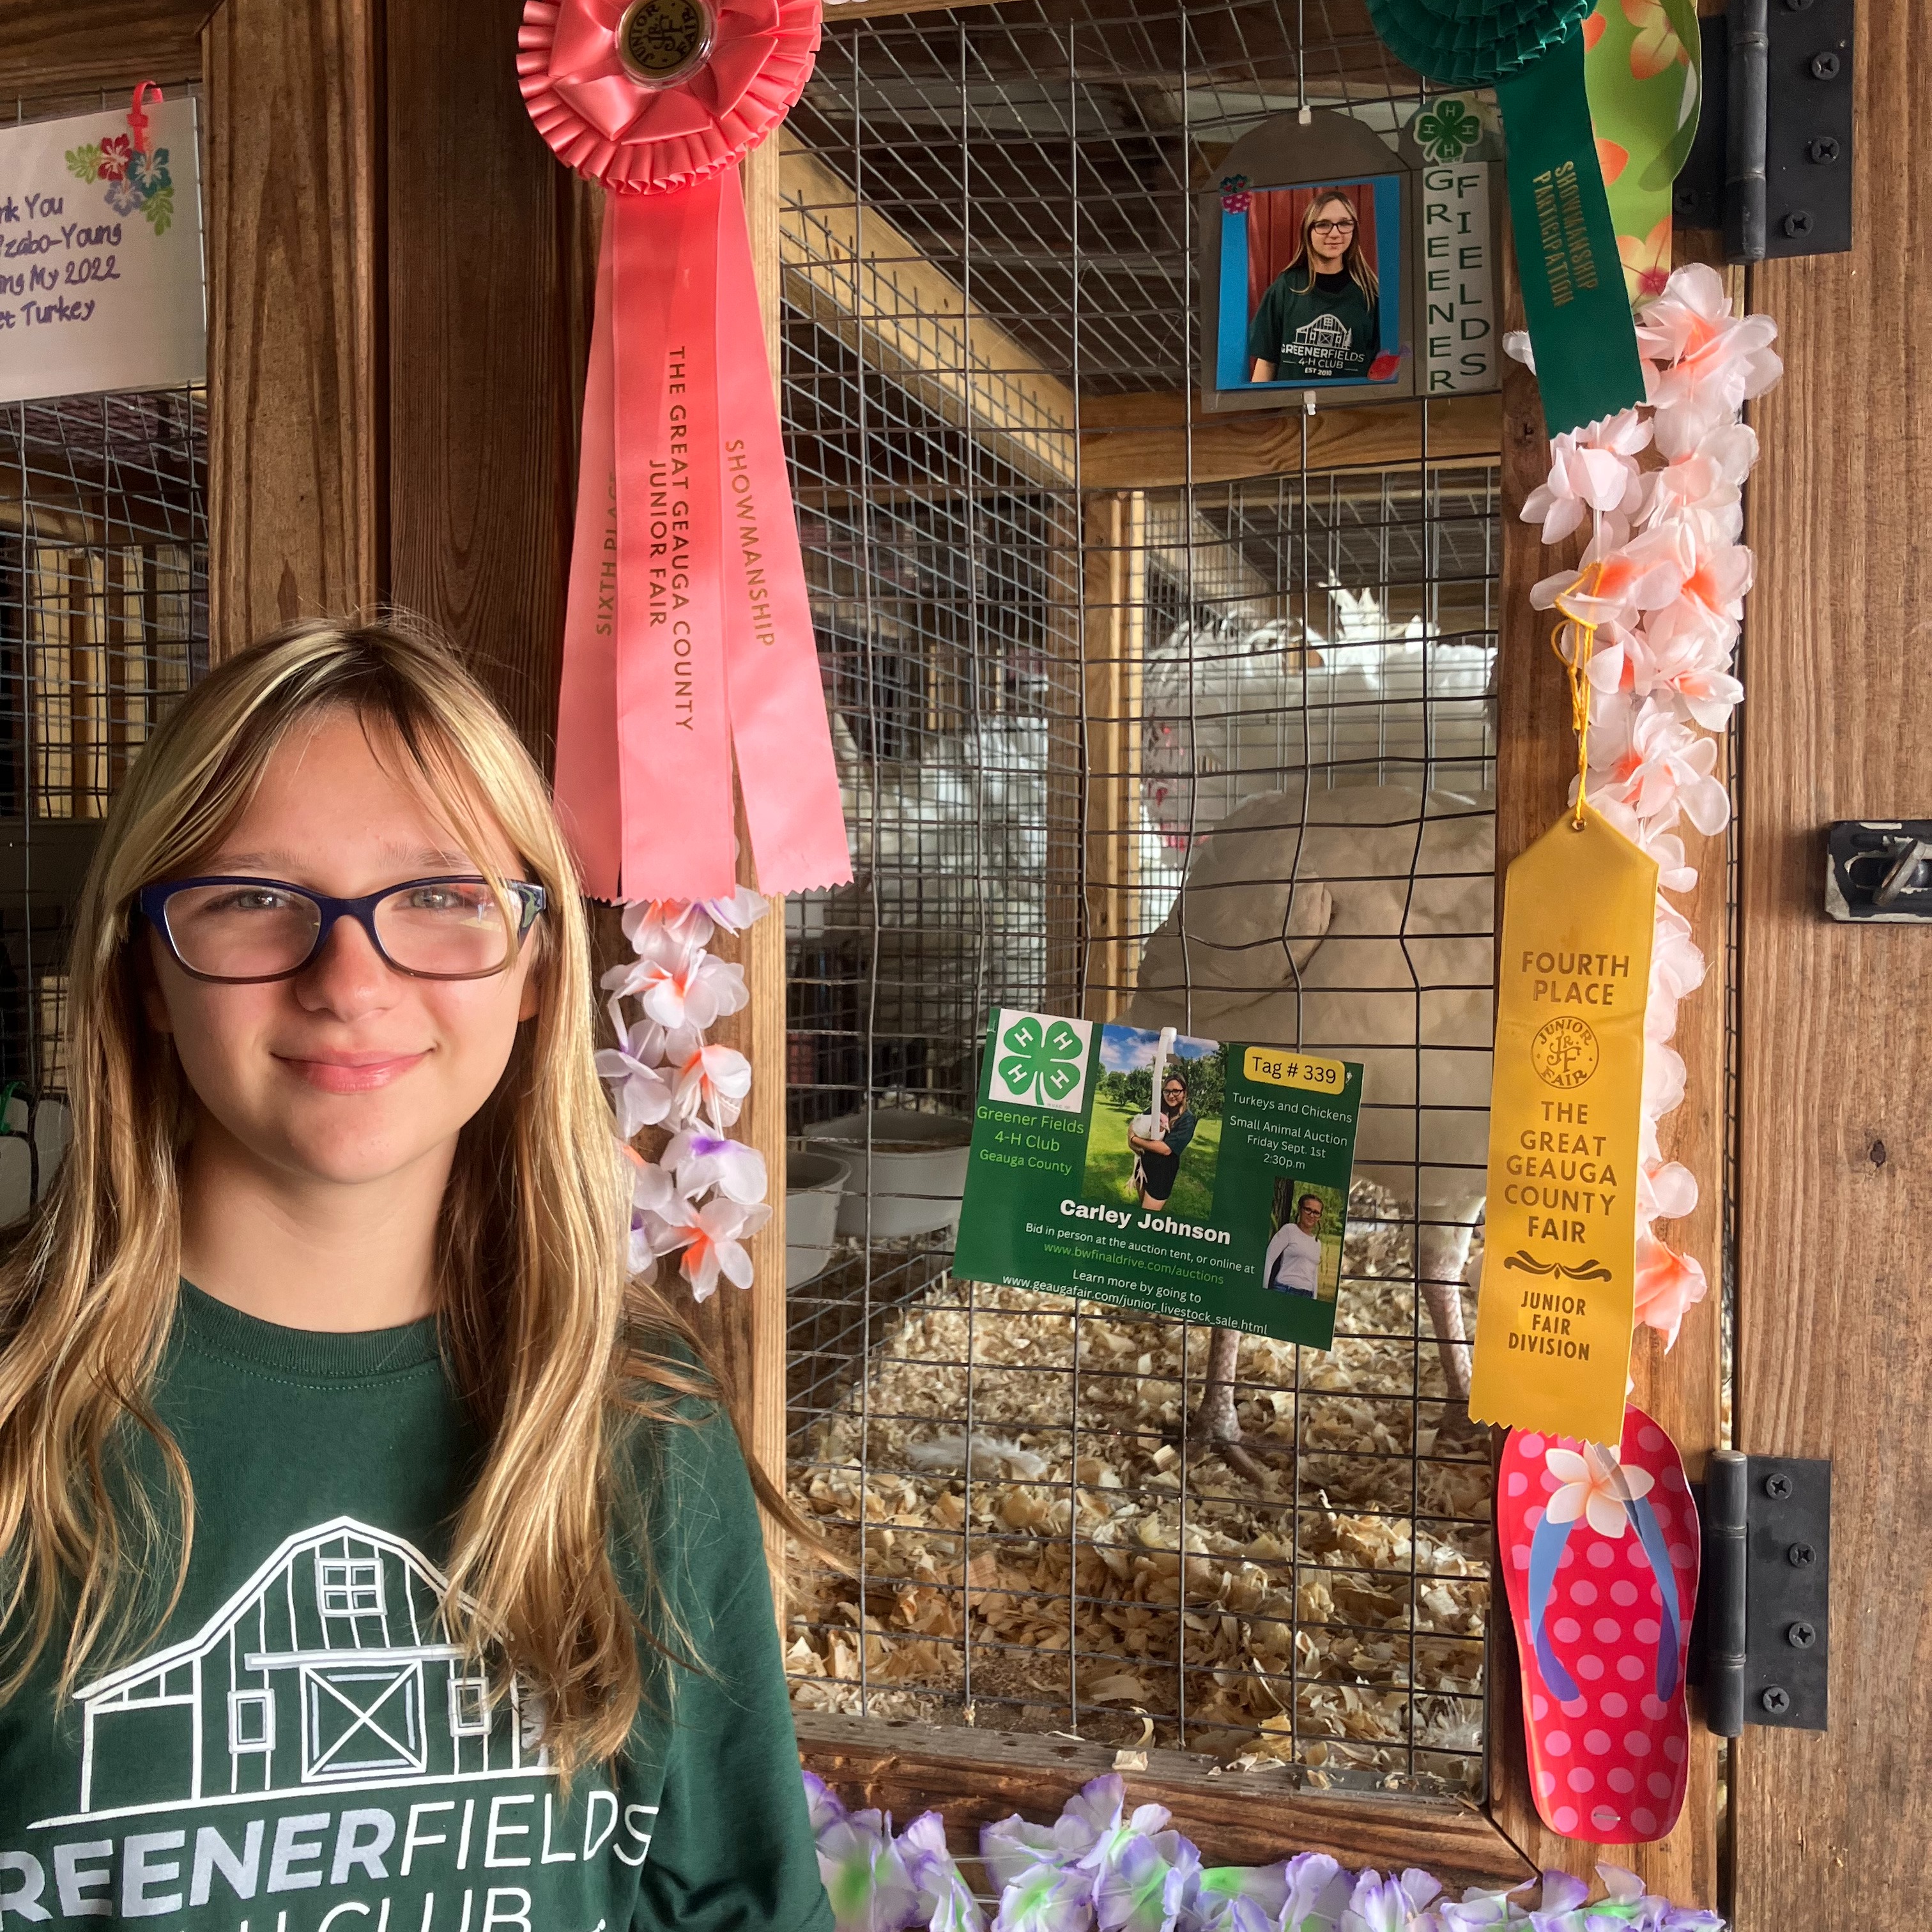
(100, 274)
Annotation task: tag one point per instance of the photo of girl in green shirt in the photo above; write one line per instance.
(1320, 318)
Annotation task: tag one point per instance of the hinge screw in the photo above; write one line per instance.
(1825, 148)
(1797, 222)
(1801, 1636)
(1777, 1487)
(1800, 1555)
(1777, 1700)
(1825, 66)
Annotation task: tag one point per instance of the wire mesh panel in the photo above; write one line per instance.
(1105, 722)
(104, 622)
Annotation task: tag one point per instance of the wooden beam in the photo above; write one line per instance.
(486, 337)
(1142, 441)
(1114, 581)
(53, 50)
(1536, 757)
(862, 279)
(747, 1329)
(297, 441)
(1834, 1325)
(973, 1777)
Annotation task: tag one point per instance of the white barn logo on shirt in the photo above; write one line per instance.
(331, 1668)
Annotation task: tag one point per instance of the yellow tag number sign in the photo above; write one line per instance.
(1559, 1294)
(1275, 1066)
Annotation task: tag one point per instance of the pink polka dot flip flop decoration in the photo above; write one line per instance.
(1599, 1547)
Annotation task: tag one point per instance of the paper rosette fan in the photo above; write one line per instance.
(687, 637)
(1531, 52)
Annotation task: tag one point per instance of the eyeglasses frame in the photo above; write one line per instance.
(531, 900)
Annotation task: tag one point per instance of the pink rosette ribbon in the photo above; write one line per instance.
(688, 635)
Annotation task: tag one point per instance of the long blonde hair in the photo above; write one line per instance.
(556, 1353)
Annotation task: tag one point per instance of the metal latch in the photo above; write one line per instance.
(1771, 163)
(1766, 1596)
(1879, 869)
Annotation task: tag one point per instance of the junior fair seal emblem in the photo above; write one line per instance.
(1564, 1051)
(662, 42)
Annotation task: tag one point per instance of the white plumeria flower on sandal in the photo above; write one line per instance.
(1595, 1486)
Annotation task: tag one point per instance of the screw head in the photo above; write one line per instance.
(1777, 1700)
(1797, 222)
(1801, 1556)
(1825, 66)
(1801, 1636)
(1825, 148)
(1777, 1487)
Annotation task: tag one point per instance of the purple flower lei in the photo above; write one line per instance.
(1100, 1867)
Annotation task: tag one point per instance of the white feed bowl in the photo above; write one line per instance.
(916, 1169)
(814, 1184)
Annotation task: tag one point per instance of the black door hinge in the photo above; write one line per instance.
(1764, 1611)
(1772, 165)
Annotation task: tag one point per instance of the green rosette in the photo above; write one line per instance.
(1531, 52)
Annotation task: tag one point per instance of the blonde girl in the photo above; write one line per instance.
(377, 1557)
(1321, 319)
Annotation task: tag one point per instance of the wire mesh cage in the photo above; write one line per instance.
(103, 623)
(1096, 728)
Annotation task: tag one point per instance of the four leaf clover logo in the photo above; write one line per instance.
(1045, 1064)
(1447, 130)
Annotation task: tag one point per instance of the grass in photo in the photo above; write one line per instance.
(1158, 1153)
(1304, 1251)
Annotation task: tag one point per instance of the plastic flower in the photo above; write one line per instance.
(1013, 1846)
(1709, 477)
(1238, 1898)
(1379, 1904)
(701, 1160)
(865, 1874)
(643, 1095)
(1668, 1285)
(1478, 1910)
(1665, 1191)
(1620, 576)
(1663, 1079)
(679, 985)
(822, 1804)
(1317, 1892)
(1713, 362)
(1593, 468)
(1595, 1487)
(1644, 758)
(1143, 1886)
(712, 1080)
(1690, 664)
(712, 1239)
(1046, 1898)
(945, 1900)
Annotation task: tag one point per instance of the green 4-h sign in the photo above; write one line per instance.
(1040, 1061)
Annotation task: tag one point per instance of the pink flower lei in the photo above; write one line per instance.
(1663, 582)
(705, 1196)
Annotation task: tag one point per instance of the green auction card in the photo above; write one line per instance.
(1185, 1177)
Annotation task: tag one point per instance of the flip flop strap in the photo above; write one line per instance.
(1546, 1553)
(1650, 1538)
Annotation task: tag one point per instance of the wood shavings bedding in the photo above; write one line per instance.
(1328, 1609)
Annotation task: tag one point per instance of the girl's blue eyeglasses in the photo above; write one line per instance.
(239, 931)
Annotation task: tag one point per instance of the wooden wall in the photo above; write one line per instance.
(1834, 1324)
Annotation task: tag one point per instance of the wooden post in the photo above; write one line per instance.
(1536, 757)
(1114, 607)
(748, 1328)
(297, 439)
(1835, 1326)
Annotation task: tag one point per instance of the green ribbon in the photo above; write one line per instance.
(1531, 52)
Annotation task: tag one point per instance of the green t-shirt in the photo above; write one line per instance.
(1330, 331)
(301, 1749)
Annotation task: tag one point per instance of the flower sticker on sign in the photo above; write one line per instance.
(1041, 1061)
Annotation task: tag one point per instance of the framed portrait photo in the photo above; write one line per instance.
(1311, 286)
